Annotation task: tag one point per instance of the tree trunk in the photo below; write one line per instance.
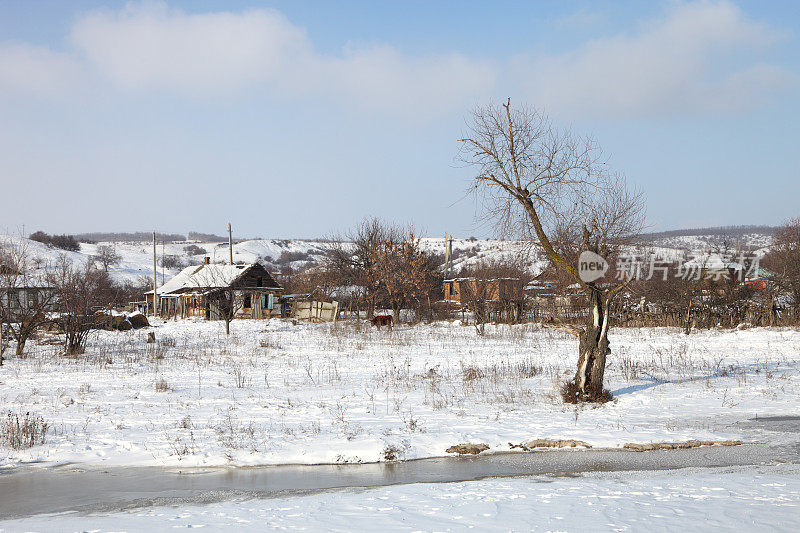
(227, 327)
(593, 348)
(688, 326)
(21, 339)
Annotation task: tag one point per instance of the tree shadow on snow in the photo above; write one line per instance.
(752, 368)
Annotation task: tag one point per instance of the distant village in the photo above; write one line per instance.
(380, 271)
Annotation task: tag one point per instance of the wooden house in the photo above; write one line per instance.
(461, 290)
(23, 292)
(499, 299)
(199, 290)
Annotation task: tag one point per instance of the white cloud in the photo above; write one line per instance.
(150, 47)
(695, 58)
(26, 69)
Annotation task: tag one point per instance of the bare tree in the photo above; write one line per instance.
(783, 259)
(25, 296)
(107, 256)
(540, 181)
(494, 287)
(402, 273)
(351, 258)
(82, 290)
(226, 303)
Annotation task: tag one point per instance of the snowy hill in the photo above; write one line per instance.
(745, 237)
(137, 257)
(277, 254)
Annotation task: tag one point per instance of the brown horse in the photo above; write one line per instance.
(383, 320)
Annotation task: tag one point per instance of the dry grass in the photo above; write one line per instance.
(23, 431)
(348, 380)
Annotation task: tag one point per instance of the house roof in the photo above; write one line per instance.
(31, 279)
(202, 278)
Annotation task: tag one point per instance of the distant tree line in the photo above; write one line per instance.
(65, 242)
(205, 237)
(139, 236)
(719, 231)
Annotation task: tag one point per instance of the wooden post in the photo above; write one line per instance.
(230, 243)
(446, 257)
(155, 277)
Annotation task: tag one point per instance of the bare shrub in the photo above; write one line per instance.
(172, 262)
(23, 431)
(393, 452)
(412, 424)
(233, 434)
(471, 373)
(240, 378)
(162, 385)
(193, 249)
(270, 344)
(287, 257)
(167, 342)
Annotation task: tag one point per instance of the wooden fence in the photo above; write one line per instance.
(696, 317)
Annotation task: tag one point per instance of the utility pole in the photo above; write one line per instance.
(230, 243)
(448, 251)
(155, 277)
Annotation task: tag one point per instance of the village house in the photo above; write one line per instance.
(501, 298)
(21, 292)
(199, 290)
(460, 290)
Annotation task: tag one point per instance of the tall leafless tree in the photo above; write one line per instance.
(539, 181)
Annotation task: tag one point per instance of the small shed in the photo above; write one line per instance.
(311, 307)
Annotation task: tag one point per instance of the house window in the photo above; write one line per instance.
(259, 282)
(248, 301)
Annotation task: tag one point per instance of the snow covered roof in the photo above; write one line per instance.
(204, 277)
(36, 279)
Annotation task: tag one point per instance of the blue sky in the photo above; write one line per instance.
(297, 119)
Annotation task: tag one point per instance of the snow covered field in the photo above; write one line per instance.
(276, 392)
(745, 499)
